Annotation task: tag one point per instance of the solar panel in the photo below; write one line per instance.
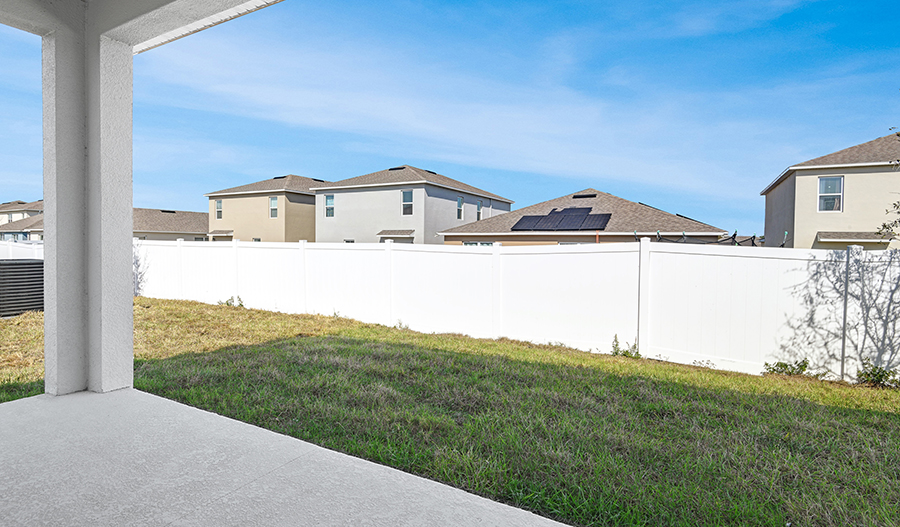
(571, 222)
(548, 223)
(595, 222)
(526, 223)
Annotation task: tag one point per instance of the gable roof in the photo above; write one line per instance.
(626, 217)
(288, 183)
(882, 151)
(409, 174)
(19, 205)
(145, 220)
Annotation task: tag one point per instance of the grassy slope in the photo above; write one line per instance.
(587, 439)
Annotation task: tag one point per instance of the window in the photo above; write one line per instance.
(329, 205)
(218, 209)
(407, 203)
(831, 190)
(483, 244)
(273, 207)
(257, 239)
(349, 241)
(478, 210)
(9, 216)
(201, 239)
(459, 210)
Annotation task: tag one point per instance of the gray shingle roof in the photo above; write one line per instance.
(145, 220)
(851, 235)
(409, 174)
(290, 183)
(399, 232)
(882, 150)
(626, 216)
(30, 223)
(155, 220)
(20, 205)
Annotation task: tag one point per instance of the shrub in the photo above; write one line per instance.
(232, 302)
(796, 368)
(877, 376)
(628, 351)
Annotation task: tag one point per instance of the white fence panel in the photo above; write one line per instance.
(350, 280)
(580, 295)
(267, 276)
(443, 289)
(10, 250)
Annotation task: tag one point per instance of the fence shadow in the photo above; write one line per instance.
(873, 312)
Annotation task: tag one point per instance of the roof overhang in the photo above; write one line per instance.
(254, 192)
(784, 175)
(583, 233)
(820, 239)
(419, 182)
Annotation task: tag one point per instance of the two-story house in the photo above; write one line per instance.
(148, 224)
(835, 200)
(404, 204)
(281, 209)
(19, 210)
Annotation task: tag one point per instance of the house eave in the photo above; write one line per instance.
(251, 192)
(781, 177)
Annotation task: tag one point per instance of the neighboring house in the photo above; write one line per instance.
(589, 216)
(19, 210)
(280, 209)
(404, 204)
(835, 200)
(149, 224)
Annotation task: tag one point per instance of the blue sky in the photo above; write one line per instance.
(692, 107)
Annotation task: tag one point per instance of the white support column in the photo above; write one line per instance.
(87, 201)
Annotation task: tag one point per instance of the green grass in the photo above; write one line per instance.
(585, 439)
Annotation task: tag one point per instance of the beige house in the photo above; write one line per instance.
(589, 216)
(19, 210)
(835, 200)
(149, 224)
(280, 209)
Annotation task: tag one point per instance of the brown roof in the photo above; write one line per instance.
(851, 235)
(401, 232)
(31, 223)
(18, 205)
(289, 183)
(155, 220)
(625, 216)
(409, 174)
(145, 220)
(882, 150)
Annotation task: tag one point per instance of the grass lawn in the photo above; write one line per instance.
(585, 439)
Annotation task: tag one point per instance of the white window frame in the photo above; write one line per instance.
(329, 208)
(273, 211)
(404, 203)
(820, 194)
(460, 203)
(218, 209)
(478, 210)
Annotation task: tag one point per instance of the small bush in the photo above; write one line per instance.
(628, 351)
(877, 376)
(232, 302)
(796, 368)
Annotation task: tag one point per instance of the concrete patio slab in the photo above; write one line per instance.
(131, 458)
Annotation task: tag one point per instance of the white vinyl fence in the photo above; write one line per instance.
(10, 250)
(729, 307)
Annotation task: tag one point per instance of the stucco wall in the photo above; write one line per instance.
(440, 213)
(868, 192)
(780, 213)
(248, 217)
(300, 217)
(360, 214)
